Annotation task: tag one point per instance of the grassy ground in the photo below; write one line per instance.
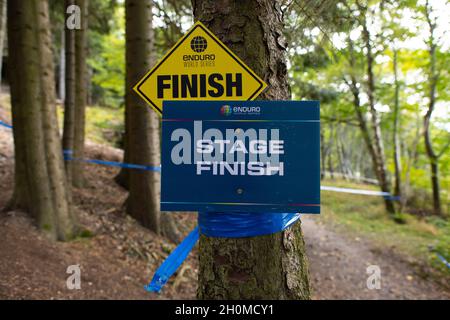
(103, 125)
(365, 216)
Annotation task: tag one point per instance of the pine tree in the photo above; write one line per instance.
(40, 182)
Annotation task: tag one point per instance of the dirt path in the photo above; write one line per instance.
(338, 267)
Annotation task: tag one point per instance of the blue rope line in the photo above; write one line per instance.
(4, 124)
(221, 225)
(443, 260)
(68, 157)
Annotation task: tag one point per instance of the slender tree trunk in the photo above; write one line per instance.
(123, 178)
(62, 67)
(322, 153)
(80, 94)
(395, 138)
(330, 152)
(143, 138)
(2, 34)
(272, 266)
(411, 160)
(382, 173)
(433, 79)
(339, 154)
(41, 186)
(69, 101)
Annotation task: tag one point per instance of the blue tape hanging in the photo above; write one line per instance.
(173, 262)
(443, 260)
(4, 124)
(221, 225)
(68, 157)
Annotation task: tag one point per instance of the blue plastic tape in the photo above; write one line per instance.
(68, 157)
(4, 124)
(443, 260)
(172, 263)
(221, 225)
(241, 225)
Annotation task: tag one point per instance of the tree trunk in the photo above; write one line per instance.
(271, 266)
(62, 67)
(80, 94)
(395, 138)
(2, 34)
(375, 145)
(69, 101)
(40, 186)
(433, 79)
(322, 153)
(382, 173)
(142, 137)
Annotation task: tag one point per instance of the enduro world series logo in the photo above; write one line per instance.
(227, 110)
(235, 152)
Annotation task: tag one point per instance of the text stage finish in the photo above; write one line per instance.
(258, 156)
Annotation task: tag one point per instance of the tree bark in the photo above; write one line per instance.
(62, 67)
(272, 266)
(69, 101)
(382, 173)
(322, 153)
(142, 133)
(395, 137)
(80, 94)
(433, 79)
(40, 186)
(2, 34)
(374, 145)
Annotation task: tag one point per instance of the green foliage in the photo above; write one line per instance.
(328, 51)
(108, 63)
(105, 125)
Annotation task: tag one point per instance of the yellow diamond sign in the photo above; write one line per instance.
(199, 67)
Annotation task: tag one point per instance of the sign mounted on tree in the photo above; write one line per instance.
(199, 67)
(241, 156)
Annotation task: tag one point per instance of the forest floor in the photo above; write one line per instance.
(117, 256)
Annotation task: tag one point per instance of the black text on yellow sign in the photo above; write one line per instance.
(199, 67)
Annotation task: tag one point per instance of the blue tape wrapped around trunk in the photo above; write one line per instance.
(221, 225)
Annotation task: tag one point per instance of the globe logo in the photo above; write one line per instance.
(225, 110)
(199, 44)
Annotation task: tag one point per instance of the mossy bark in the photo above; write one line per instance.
(272, 266)
(40, 182)
(80, 94)
(69, 100)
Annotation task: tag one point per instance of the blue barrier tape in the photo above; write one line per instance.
(68, 157)
(385, 195)
(4, 124)
(241, 225)
(222, 225)
(173, 262)
(443, 260)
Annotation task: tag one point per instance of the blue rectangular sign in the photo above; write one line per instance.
(241, 156)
